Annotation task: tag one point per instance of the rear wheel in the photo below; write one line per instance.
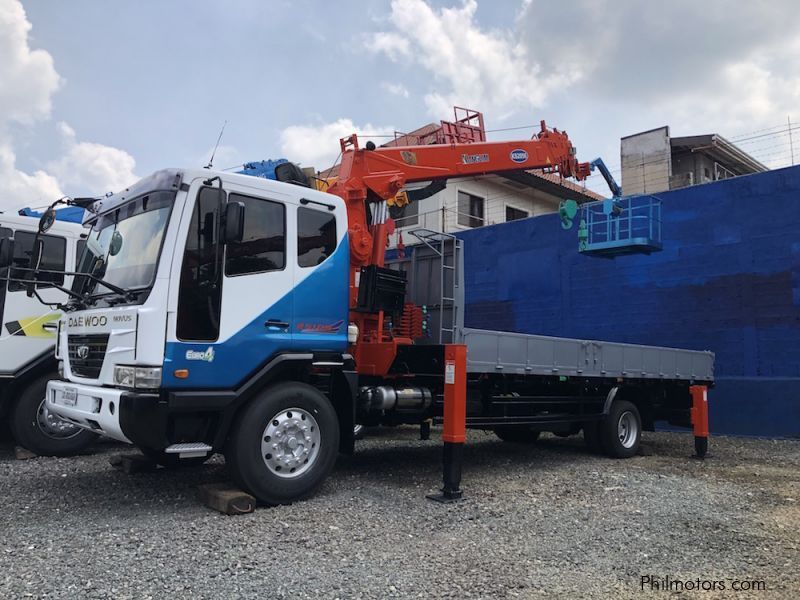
(284, 443)
(42, 432)
(621, 430)
(518, 434)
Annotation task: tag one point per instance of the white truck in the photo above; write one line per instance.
(29, 328)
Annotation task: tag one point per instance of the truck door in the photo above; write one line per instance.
(235, 302)
(28, 326)
(321, 279)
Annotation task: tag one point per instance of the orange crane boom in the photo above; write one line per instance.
(374, 174)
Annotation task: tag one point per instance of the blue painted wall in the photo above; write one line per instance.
(727, 280)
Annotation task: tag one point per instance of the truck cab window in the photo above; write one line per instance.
(316, 236)
(263, 247)
(53, 258)
(201, 281)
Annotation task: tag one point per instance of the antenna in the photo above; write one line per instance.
(211, 160)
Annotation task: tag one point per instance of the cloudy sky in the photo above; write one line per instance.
(95, 94)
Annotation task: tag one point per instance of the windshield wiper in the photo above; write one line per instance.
(99, 266)
(115, 298)
(128, 295)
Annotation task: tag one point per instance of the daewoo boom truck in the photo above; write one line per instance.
(28, 337)
(219, 312)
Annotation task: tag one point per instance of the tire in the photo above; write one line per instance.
(591, 436)
(284, 443)
(517, 434)
(41, 432)
(173, 461)
(621, 430)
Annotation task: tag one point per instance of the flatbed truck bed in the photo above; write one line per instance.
(528, 354)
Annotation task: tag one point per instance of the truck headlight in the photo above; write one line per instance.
(125, 376)
(148, 377)
(137, 377)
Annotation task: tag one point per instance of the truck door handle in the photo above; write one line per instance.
(275, 324)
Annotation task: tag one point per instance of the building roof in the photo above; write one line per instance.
(719, 149)
(552, 183)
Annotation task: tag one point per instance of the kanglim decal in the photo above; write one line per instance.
(320, 327)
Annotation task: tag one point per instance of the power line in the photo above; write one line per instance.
(739, 135)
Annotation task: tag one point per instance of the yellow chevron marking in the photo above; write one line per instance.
(32, 326)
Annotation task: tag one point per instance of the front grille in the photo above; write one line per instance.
(88, 366)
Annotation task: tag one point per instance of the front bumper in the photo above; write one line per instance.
(131, 417)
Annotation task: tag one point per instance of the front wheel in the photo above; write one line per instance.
(284, 443)
(42, 432)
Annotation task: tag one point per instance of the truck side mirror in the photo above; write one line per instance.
(6, 252)
(234, 222)
(47, 219)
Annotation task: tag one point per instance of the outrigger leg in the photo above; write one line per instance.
(699, 415)
(455, 422)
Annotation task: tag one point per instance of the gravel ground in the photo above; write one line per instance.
(548, 520)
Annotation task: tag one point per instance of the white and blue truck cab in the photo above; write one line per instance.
(253, 274)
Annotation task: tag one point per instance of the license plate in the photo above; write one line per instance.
(69, 397)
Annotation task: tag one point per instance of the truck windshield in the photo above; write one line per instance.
(123, 245)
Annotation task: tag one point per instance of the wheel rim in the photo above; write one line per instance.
(53, 427)
(627, 429)
(290, 443)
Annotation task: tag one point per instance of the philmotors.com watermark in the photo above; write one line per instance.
(654, 583)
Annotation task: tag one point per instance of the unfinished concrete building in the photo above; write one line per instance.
(652, 161)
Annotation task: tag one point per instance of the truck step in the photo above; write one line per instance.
(188, 450)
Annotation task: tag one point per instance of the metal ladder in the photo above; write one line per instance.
(441, 243)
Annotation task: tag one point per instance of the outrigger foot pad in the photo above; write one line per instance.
(700, 448)
(446, 496)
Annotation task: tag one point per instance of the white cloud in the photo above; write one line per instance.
(396, 89)
(28, 81)
(92, 168)
(28, 78)
(19, 189)
(318, 145)
(489, 70)
(394, 45)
